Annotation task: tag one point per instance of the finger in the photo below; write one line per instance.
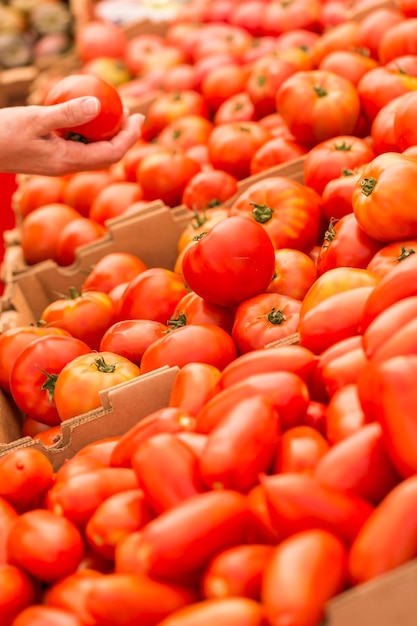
(72, 113)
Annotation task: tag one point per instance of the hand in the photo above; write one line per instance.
(28, 144)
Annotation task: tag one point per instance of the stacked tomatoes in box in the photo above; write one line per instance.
(207, 357)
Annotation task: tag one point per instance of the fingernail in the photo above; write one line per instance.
(90, 106)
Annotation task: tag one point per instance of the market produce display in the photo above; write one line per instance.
(277, 470)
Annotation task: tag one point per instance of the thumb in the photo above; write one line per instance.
(72, 113)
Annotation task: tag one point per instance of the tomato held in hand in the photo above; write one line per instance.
(107, 123)
(233, 261)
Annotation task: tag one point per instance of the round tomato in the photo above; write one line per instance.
(80, 381)
(109, 120)
(170, 106)
(114, 200)
(295, 272)
(38, 190)
(404, 116)
(208, 189)
(25, 476)
(185, 132)
(233, 261)
(82, 188)
(18, 590)
(299, 449)
(78, 232)
(380, 86)
(111, 270)
(276, 151)
(130, 338)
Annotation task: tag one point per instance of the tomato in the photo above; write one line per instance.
(95, 38)
(112, 269)
(193, 309)
(122, 599)
(82, 188)
(208, 189)
(299, 449)
(41, 230)
(167, 471)
(204, 343)
(194, 384)
(241, 445)
(237, 611)
(398, 40)
(343, 369)
(91, 372)
(350, 64)
(287, 391)
(185, 132)
(310, 560)
(295, 272)
(222, 82)
(201, 222)
(232, 145)
(390, 255)
(164, 175)
(78, 232)
(8, 515)
(264, 319)
(130, 338)
(164, 420)
(380, 86)
(179, 543)
(86, 315)
(266, 76)
(293, 358)
(373, 26)
(152, 295)
(337, 195)
(34, 374)
(77, 497)
(360, 464)
(375, 199)
(327, 159)
(109, 120)
(170, 106)
(46, 545)
(344, 415)
(38, 190)
(39, 615)
(117, 516)
(299, 502)
(404, 131)
(18, 590)
(26, 474)
(341, 36)
(276, 151)
(345, 244)
(382, 127)
(385, 325)
(286, 209)
(330, 106)
(392, 525)
(244, 268)
(70, 593)
(114, 200)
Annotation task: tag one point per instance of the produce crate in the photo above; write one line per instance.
(15, 85)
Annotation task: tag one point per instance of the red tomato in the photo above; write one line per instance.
(295, 272)
(111, 270)
(152, 295)
(115, 200)
(185, 132)
(70, 593)
(276, 151)
(330, 106)
(46, 545)
(344, 414)
(82, 188)
(317, 560)
(130, 338)
(78, 232)
(26, 474)
(39, 615)
(390, 255)
(18, 590)
(236, 611)
(299, 449)
(170, 106)
(167, 471)
(382, 127)
(92, 372)
(209, 188)
(204, 343)
(380, 86)
(343, 369)
(337, 195)
(86, 315)
(266, 76)
(179, 542)
(399, 39)
(35, 371)
(8, 515)
(373, 26)
(96, 38)
(193, 309)
(287, 210)
(222, 82)
(264, 319)
(109, 120)
(350, 64)
(233, 261)
(38, 190)
(201, 222)
(193, 386)
(388, 538)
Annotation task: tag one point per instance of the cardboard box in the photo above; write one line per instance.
(15, 85)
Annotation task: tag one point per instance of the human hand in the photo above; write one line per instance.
(28, 144)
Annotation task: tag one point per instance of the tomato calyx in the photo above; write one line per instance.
(343, 147)
(405, 253)
(199, 218)
(330, 233)
(176, 322)
(320, 91)
(276, 316)
(262, 213)
(368, 185)
(347, 172)
(102, 366)
(76, 137)
(49, 384)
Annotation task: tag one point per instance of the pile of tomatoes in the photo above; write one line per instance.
(282, 470)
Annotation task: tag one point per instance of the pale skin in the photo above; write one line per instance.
(28, 144)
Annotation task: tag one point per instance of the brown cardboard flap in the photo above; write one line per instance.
(390, 600)
(122, 407)
(15, 85)
(358, 14)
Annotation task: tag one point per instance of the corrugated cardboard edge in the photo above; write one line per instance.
(122, 407)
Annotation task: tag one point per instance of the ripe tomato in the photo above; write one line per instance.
(201, 222)
(185, 132)
(390, 255)
(276, 151)
(373, 26)
(295, 272)
(233, 611)
(38, 614)
(25, 476)
(208, 189)
(337, 195)
(193, 309)
(350, 64)
(130, 338)
(404, 130)
(18, 590)
(97, 38)
(380, 86)
(264, 319)
(107, 123)
(344, 415)
(91, 372)
(38, 190)
(222, 82)
(86, 315)
(317, 560)
(266, 76)
(114, 200)
(34, 374)
(111, 270)
(205, 343)
(78, 232)
(237, 108)
(375, 197)
(330, 108)
(45, 545)
(299, 449)
(399, 39)
(286, 209)
(82, 188)
(170, 106)
(233, 261)
(382, 127)
(384, 327)
(193, 386)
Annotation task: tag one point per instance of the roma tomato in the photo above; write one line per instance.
(233, 261)
(287, 210)
(344, 414)
(193, 386)
(264, 319)
(35, 371)
(299, 449)
(108, 121)
(18, 590)
(70, 593)
(315, 559)
(330, 106)
(91, 372)
(39, 615)
(26, 474)
(86, 315)
(237, 611)
(385, 325)
(45, 545)
(205, 343)
(375, 199)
